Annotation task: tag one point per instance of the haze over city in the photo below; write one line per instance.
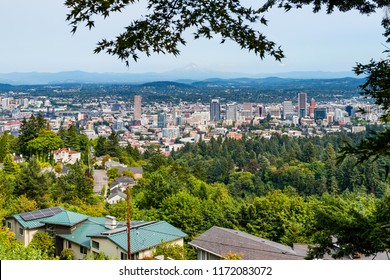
(37, 38)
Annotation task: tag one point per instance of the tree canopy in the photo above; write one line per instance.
(161, 28)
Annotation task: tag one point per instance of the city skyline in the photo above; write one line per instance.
(39, 39)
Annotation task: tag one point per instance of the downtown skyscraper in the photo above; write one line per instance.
(215, 110)
(302, 104)
(137, 107)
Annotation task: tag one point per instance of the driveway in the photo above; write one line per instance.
(100, 178)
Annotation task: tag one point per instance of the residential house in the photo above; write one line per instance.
(66, 155)
(86, 235)
(116, 197)
(112, 164)
(121, 183)
(136, 170)
(18, 159)
(217, 243)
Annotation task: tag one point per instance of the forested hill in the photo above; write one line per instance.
(239, 90)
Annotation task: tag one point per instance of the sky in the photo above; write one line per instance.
(36, 38)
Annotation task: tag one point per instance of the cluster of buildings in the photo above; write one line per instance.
(173, 125)
(170, 126)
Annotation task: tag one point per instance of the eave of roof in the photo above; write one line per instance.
(220, 241)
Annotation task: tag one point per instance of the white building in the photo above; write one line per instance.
(171, 132)
(66, 155)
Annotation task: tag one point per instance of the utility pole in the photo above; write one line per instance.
(128, 222)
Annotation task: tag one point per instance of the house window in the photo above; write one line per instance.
(123, 256)
(9, 225)
(69, 244)
(50, 230)
(95, 245)
(21, 231)
(83, 250)
(135, 256)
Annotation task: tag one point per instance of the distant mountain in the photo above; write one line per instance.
(185, 75)
(166, 85)
(6, 86)
(275, 82)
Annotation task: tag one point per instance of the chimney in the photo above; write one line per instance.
(110, 222)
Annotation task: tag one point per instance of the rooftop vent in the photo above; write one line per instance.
(110, 222)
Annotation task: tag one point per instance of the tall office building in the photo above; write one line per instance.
(349, 110)
(312, 106)
(302, 100)
(137, 107)
(162, 120)
(260, 111)
(215, 110)
(320, 113)
(231, 112)
(288, 110)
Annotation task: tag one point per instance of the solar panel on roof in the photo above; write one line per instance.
(38, 214)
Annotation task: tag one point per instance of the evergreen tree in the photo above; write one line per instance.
(4, 146)
(101, 146)
(10, 166)
(34, 184)
(29, 130)
(83, 185)
(72, 138)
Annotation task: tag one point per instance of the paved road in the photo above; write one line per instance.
(100, 178)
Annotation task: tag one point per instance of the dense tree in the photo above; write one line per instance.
(4, 145)
(81, 184)
(350, 225)
(44, 243)
(113, 148)
(184, 211)
(281, 216)
(101, 146)
(71, 139)
(29, 130)
(44, 144)
(12, 249)
(34, 184)
(10, 167)
(169, 251)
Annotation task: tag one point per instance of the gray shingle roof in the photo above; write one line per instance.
(220, 241)
(123, 180)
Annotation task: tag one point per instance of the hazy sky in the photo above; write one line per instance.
(36, 37)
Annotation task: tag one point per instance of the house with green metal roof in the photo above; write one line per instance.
(144, 236)
(86, 235)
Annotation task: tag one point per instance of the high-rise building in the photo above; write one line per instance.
(231, 112)
(320, 113)
(215, 110)
(349, 110)
(260, 111)
(137, 107)
(338, 114)
(275, 112)
(302, 100)
(171, 132)
(312, 106)
(288, 110)
(162, 120)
